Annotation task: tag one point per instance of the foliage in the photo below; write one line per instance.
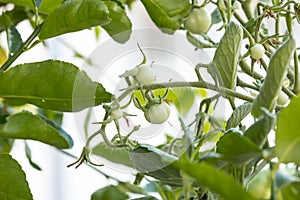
(243, 162)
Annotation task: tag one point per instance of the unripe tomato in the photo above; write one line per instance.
(198, 21)
(158, 113)
(117, 114)
(282, 98)
(257, 51)
(145, 74)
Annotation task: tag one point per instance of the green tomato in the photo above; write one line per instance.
(198, 21)
(158, 113)
(282, 98)
(145, 74)
(257, 51)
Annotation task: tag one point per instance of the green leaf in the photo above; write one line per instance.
(119, 28)
(13, 184)
(291, 191)
(238, 115)
(277, 70)
(258, 132)
(52, 115)
(167, 13)
(116, 155)
(54, 85)
(5, 145)
(46, 6)
(216, 17)
(129, 187)
(214, 179)
(14, 39)
(155, 163)
(287, 133)
(146, 198)
(16, 15)
(25, 125)
(224, 65)
(237, 149)
(182, 98)
(28, 155)
(74, 15)
(109, 192)
(197, 43)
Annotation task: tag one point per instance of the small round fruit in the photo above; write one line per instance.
(117, 114)
(282, 98)
(257, 51)
(158, 113)
(198, 21)
(145, 74)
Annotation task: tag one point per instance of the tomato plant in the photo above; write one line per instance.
(247, 151)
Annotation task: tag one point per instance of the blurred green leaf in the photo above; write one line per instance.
(238, 115)
(74, 15)
(155, 163)
(216, 17)
(291, 191)
(283, 179)
(28, 155)
(237, 149)
(276, 74)
(214, 179)
(260, 185)
(51, 84)
(224, 65)
(287, 133)
(119, 28)
(13, 184)
(52, 115)
(258, 132)
(25, 125)
(131, 188)
(5, 145)
(146, 198)
(37, 3)
(109, 192)
(197, 42)
(14, 39)
(116, 155)
(167, 13)
(16, 15)
(46, 5)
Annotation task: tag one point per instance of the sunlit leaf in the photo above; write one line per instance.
(75, 15)
(276, 74)
(13, 184)
(25, 125)
(52, 85)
